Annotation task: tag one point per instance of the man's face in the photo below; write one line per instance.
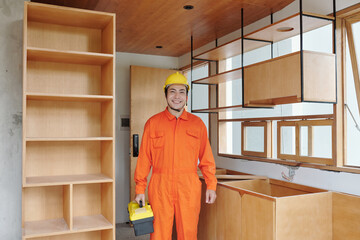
(176, 96)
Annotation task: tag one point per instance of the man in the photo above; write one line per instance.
(173, 142)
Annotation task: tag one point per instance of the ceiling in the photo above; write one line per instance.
(141, 25)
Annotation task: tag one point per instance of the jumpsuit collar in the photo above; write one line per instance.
(183, 116)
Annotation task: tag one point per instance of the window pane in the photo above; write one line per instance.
(352, 110)
(230, 138)
(304, 147)
(254, 139)
(287, 145)
(322, 141)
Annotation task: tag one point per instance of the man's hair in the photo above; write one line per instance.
(166, 90)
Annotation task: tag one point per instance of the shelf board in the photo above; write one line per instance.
(61, 15)
(221, 77)
(67, 139)
(51, 55)
(66, 179)
(268, 33)
(68, 97)
(95, 222)
(219, 109)
(45, 227)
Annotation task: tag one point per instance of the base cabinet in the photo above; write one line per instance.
(278, 210)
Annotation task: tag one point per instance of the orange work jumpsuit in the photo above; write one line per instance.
(172, 147)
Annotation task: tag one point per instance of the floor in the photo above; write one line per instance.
(125, 232)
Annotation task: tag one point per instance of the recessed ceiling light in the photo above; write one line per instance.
(188, 7)
(285, 29)
(159, 46)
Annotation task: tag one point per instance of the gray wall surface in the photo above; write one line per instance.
(11, 17)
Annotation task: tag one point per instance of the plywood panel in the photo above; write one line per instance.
(68, 208)
(96, 235)
(43, 203)
(228, 214)
(273, 79)
(87, 200)
(63, 78)
(257, 83)
(319, 77)
(63, 119)
(304, 217)
(62, 158)
(257, 218)
(68, 38)
(346, 217)
(259, 186)
(208, 218)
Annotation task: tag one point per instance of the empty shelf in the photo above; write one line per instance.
(66, 179)
(51, 55)
(61, 139)
(95, 222)
(45, 227)
(68, 97)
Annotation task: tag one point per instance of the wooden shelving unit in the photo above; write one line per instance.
(68, 124)
(266, 83)
(268, 33)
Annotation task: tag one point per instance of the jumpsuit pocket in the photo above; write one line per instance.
(193, 139)
(158, 139)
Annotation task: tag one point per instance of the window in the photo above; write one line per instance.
(200, 93)
(352, 91)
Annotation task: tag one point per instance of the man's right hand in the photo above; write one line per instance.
(140, 197)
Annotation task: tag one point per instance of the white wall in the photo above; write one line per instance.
(122, 149)
(11, 16)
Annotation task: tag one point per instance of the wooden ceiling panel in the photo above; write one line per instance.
(141, 25)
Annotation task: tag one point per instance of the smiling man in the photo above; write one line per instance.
(174, 144)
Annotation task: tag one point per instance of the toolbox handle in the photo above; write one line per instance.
(141, 204)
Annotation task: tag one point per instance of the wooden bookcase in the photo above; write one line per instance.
(68, 124)
(278, 80)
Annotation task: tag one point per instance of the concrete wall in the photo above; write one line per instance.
(123, 62)
(11, 16)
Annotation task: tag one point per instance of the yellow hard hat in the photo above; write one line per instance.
(176, 78)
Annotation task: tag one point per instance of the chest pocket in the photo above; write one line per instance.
(158, 139)
(193, 139)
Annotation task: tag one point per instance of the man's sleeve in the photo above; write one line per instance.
(207, 162)
(143, 164)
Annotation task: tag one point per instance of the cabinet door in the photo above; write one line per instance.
(257, 218)
(346, 216)
(275, 81)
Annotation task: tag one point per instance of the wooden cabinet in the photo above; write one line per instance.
(280, 80)
(277, 210)
(68, 124)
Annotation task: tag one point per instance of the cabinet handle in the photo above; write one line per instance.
(135, 145)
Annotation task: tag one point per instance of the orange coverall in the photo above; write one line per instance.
(172, 148)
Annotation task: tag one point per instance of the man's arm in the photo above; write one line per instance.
(207, 166)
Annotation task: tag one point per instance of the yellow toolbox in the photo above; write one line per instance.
(141, 217)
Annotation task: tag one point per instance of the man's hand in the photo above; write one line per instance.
(140, 197)
(210, 196)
